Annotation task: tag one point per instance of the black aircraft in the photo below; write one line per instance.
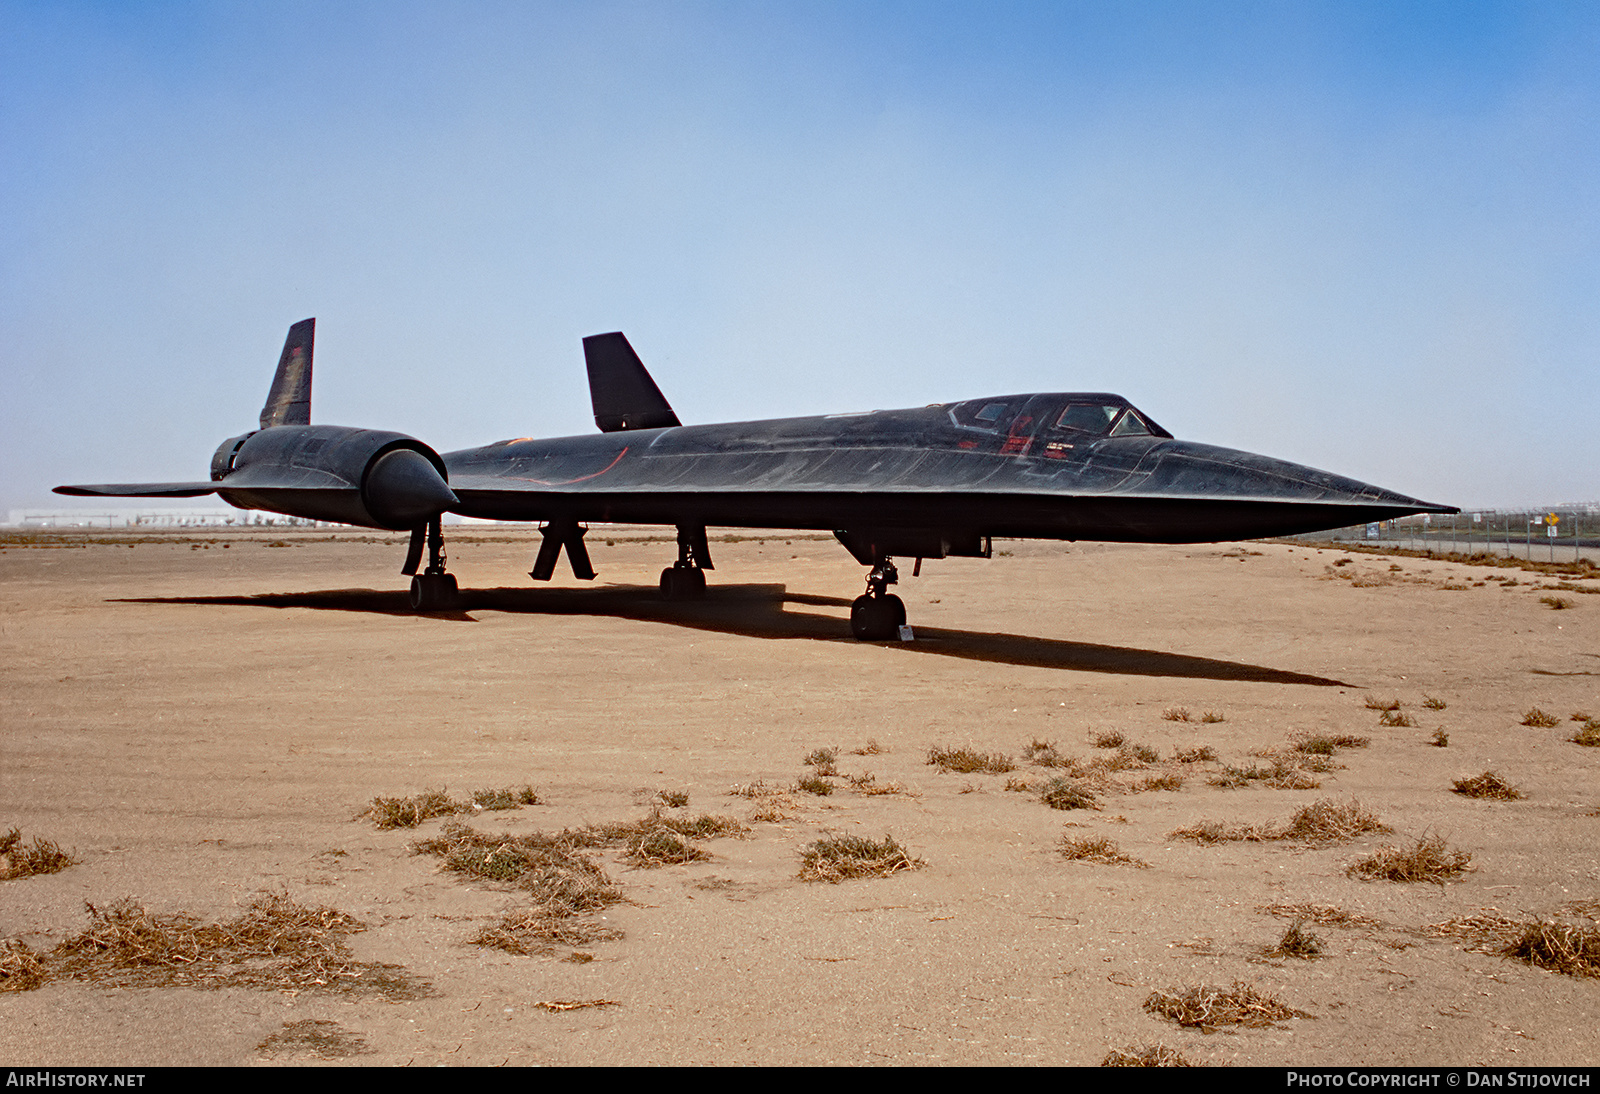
(938, 481)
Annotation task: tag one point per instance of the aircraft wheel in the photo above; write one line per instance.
(433, 592)
(875, 619)
(683, 583)
(896, 608)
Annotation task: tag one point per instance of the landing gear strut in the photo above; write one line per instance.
(878, 614)
(432, 590)
(686, 578)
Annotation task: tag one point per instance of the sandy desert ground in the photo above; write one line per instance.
(202, 720)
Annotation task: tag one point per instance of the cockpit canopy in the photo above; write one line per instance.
(1076, 417)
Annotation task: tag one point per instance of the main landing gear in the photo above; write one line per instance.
(685, 579)
(432, 590)
(878, 614)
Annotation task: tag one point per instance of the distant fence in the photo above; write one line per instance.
(1557, 534)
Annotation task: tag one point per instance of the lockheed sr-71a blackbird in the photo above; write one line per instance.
(942, 480)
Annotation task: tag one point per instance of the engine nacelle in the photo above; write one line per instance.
(370, 477)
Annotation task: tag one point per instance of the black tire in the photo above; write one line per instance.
(683, 583)
(872, 619)
(896, 608)
(433, 592)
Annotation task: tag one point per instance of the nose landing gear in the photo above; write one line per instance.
(878, 614)
(685, 579)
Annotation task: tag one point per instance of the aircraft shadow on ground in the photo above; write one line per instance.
(761, 611)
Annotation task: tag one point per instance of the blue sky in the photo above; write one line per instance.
(1361, 236)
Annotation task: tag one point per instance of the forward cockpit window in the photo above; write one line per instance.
(1069, 419)
(1101, 419)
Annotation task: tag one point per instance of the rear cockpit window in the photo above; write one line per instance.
(986, 414)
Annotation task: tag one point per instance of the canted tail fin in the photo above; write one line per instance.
(289, 401)
(623, 394)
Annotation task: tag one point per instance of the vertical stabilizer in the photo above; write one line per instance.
(623, 394)
(289, 401)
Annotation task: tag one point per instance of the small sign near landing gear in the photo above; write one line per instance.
(905, 633)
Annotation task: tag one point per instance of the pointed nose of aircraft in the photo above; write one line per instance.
(1203, 470)
(1249, 495)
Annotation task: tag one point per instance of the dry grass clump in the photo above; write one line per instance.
(1044, 754)
(550, 867)
(1212, 717)
(814, 784)
(774, 805)
(1383, 704)
(567, 887)
(655, 839)
(1328, 821)
(1556, 603)
(1112, 739)
(1097, 849)
(1062, 792)
(20, 967)
(410, 812)
(1297, 942)
(1206, 1008)
(662, 847)
(1176, 714)
(508, 797)
(1487, 785)
(1395, 718)
(823, 760)
(1146, 1056)
(1429, 860)
(1323, 821)
(673, 799)
(1216, 832)
(969, 761)
(1328, 744)
(528, 932)
(1159, 782)
(1559, 947)
(1433, 704)
(1539, 719)
(1280, 776)
(871, 748)
(1588, 734)
(18, 860)
(1440, 738)
(1197, 755)
(1130, 757)
(276, 944)
(867, 784)
(841, 857)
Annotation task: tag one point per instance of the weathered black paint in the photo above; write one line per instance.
(932, 481)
